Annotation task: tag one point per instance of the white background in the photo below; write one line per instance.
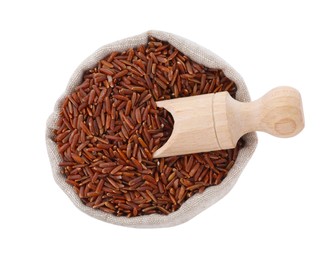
(281, 207)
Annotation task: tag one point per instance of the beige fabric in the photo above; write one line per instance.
(198, 202)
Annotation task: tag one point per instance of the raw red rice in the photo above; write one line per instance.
(110, 126)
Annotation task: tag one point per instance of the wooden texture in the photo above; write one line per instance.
(216, 121)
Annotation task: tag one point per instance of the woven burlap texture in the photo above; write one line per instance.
(198, 202)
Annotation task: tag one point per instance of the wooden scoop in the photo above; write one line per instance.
(213, 122)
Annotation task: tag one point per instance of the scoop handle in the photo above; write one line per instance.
(279, 113)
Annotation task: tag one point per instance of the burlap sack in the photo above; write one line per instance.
(198, 202)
